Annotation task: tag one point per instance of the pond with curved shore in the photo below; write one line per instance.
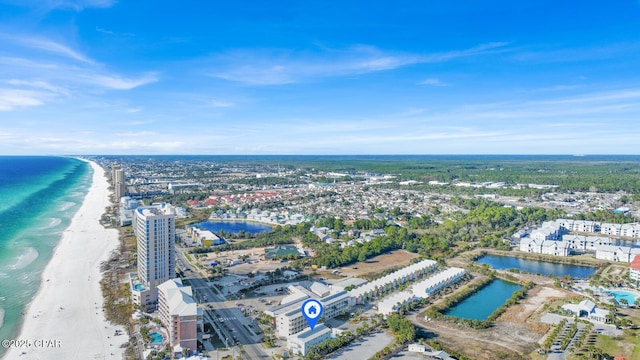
(234, 227)
(536, 266)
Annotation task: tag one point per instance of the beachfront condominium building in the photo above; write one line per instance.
(155, 231)
(119, 183)
(180, 314)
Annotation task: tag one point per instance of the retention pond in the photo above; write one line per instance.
(537, 267)
(234, 227)
(484, 302)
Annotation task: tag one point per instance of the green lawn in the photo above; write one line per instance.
(627, 345)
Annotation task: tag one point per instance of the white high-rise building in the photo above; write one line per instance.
(155, 229)
(119, 184)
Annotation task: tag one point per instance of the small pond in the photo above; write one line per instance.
(483, 303)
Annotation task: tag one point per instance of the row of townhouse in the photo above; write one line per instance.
(550, 230)
(579, 225)
(421, 290)
(616, 253)
(391, 281)
(628, 230)
(548, 247)
(588, 243)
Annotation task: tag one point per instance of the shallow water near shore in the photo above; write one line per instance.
(38, 198)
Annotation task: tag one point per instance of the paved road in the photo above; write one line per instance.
(233, 318)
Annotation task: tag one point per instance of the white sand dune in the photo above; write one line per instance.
(65, 320)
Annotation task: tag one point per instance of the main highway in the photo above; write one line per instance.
(230, 320)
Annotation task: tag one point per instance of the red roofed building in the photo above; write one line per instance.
(634, 269)
(210, 202)
(192, 202)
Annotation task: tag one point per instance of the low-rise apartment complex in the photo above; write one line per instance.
(288, 316)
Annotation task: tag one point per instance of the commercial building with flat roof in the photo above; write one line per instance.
(288, 316)
(204, 237)
(301, 342)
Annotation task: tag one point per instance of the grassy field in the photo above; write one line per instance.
(627, 346)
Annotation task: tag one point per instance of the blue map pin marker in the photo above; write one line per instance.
(312, 310)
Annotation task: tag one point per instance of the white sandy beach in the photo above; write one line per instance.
(65, 320)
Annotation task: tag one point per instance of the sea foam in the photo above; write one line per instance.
(66, 205)
(53, 222)
(25, 259)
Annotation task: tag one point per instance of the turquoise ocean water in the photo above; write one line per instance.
(38, 198)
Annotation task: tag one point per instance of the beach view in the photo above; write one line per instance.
(314, 180)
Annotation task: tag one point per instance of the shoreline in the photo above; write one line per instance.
(563, 260)
(242, 220)
(65, 318)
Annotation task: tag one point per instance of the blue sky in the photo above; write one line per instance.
(319, 77)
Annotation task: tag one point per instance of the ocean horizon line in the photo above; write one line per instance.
(327, 155)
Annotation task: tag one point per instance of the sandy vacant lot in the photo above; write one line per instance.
(398, 259)
(514, 335)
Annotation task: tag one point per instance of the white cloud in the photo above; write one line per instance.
(38, 84)
(50, 47)
(77, 5)
(136, 134)
(278, 67)
(142, 146)
(433, 82)
(104, 31)
(12, 99)
(222, 104)
(41, 70)
(574, 54)
(118, 83)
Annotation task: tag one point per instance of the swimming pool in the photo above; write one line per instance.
(156, 338)
(138, 287)
(629, 296)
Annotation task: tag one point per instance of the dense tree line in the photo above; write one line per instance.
(606, 216)
(402, 328)
(280, 235)
(485, 224)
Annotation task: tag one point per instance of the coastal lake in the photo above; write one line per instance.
(537, 267)
(234, 227)
(484, 302)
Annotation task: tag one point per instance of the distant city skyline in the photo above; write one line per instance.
(288, 77)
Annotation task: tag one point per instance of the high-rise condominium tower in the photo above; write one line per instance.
(155, 231)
